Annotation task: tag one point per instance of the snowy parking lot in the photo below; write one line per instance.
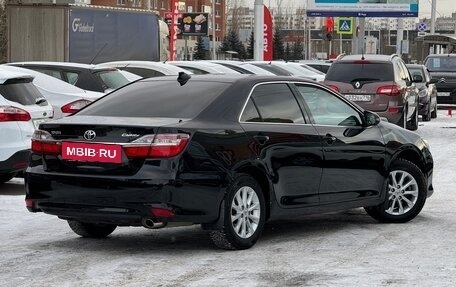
(340, 249)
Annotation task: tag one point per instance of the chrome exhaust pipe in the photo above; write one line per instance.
(150, 223)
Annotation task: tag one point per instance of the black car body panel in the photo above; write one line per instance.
(302, 167)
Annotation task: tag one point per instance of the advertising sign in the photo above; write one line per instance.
(267, 40)
(362, 8)
(194, 24)
(98, 36)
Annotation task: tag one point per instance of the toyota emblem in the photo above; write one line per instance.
(89, 135)
(357, 85)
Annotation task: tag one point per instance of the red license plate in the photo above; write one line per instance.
(91, 152)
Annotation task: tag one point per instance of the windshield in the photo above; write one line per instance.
(441, 64)
(112, 79)
(347, 72)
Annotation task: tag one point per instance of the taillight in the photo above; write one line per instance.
(162, 212)
(334, 88)
(74, 106)
(13, 114)
(158, 146)
(389, 90)
(43, 143)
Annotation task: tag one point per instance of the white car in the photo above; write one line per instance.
(145, 69)
(242, 67)
(203, 67)
(22, 109)
(65, 98)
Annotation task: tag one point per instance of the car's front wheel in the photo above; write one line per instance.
(413, 123)
(91, 230)
(427, 116)
(244, 215)
(406, 194)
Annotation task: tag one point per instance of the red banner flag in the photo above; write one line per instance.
(268, 32)
(173, 30)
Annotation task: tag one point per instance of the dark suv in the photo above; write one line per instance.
(442, 68)
(84, 76)
(379, 83)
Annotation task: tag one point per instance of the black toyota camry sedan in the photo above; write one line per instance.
(228, 152)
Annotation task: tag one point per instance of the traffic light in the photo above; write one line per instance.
(329, 36)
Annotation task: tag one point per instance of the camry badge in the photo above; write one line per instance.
(357, 85)
(90, 135)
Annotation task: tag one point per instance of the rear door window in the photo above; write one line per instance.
(72, 77)
(277, 104)
(112, 79)
(348, 72)
(21, 91)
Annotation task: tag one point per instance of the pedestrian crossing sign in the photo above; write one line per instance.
(345, 25)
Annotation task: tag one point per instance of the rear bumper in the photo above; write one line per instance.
(15, 163)
(121, 201)
(394, 118)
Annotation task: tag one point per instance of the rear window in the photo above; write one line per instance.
(444, 63)
(165, 99)
(347, 72)
(112, 79)
(21, 91)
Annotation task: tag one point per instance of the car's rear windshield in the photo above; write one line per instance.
(441, 64)
(348, 72)
(21, 91)
(165, 99)
(112, 79)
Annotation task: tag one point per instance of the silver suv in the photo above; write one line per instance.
(378, 83)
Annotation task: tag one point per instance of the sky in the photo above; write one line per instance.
(444, 7)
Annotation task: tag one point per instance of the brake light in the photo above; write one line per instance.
(393, 110)
(334, 88)
(43, 143)
(162, 212)
(74, 106)
(13, 114)
(158, 146)
(389, 90)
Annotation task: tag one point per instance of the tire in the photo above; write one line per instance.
(427, 116)
(413, 124)
(244, 215)
(434, 112)
(91, 230)
(5, 177)
(401, 204)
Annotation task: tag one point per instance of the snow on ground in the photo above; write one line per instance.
(343, 249)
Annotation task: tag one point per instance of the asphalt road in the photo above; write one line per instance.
(341, 249)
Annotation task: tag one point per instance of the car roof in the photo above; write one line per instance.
(440, 55)
(365, 57)
(59, 64)
(6, 75)
(231, 78)
(144, 64)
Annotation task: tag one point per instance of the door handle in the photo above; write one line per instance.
(261, 139)
(330, 139)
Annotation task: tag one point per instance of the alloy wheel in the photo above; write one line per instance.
(245, 212)
(402, 192)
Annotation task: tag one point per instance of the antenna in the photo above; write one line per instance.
(99, 51)
(362, 54)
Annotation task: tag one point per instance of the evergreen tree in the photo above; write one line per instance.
(3, 33)
(200, 53)
(297, 49)
(231, 42)
(251, 46)
(288, 53)
(277, 44)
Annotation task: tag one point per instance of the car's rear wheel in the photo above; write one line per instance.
(6, 177)
(91, 230)
(244, 215)
(406, 194)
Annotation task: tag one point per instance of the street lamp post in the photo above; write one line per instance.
(258, 31)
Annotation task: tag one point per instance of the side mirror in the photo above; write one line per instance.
(417, 78)
(371, 118)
